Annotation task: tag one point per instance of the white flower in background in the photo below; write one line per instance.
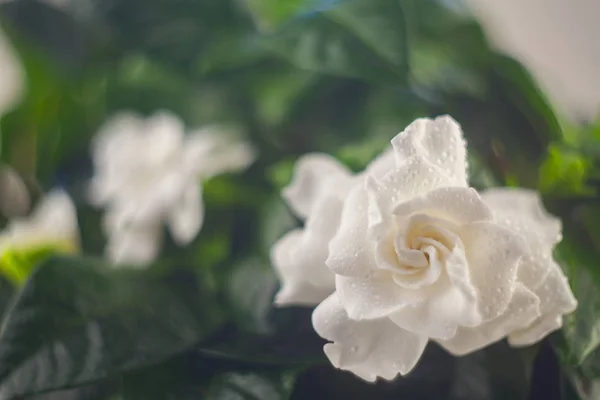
(11, 76)
(316, 195)
(53, 223)
(410, 253)
(148, 173)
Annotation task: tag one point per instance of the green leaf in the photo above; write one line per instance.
(270, 14)
(355, 38)
(581, 329)
(250, 291)
(290, 341)
(565, 172)
(251, 386)
(78, 321)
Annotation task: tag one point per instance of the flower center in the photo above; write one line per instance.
(415, 256)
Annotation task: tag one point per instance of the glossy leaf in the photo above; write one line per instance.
(355, 38)
(78, 321)
(251, 386)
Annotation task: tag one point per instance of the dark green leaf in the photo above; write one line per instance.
(78, 321)
(290, 341)
(355, 38)
(581, 329)
(251, 386)
(250, 290)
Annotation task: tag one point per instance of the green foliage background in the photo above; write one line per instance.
(337, 76)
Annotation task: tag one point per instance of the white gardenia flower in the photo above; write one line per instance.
(11, 76)
(53, 223)
(149, 173)
(415, 254)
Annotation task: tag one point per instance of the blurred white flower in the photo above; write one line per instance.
(316, 194)
(417, 255)
(53, 223)
(148, 172)
(11, 76)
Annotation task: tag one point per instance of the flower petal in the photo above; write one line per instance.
(54, 219)
(454, 304)
(369, 349)
(493, 254)
(522, 310)
(214, 150)
(350, 253)
(414, 178)
(378, 295)
(556, 299)
(299, 257)
(440, 141)
(11, 78)
(381, 165)
(316, 176)
(137, 247)
(459, 204)
(525, 206)
(521, 211)
(186, 216)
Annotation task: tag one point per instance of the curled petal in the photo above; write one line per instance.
(493, 254)
(522, 311)
(381, 165)
(439, 141)
(316, 176)
(454, 304)
(350, 253)
(186, 216)
(525, 206)
(459, 204)
(299, 257)
(556, 299)
(413, 178)
(378, 295)
(369, 349)
(521, 211)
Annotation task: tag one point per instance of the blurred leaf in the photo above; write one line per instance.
(195, 37)
(355, 38)
(276, 94)
(276, 221)
(291, 340)
(251, 386)
(527, 95)
(271, 14)
(17, 264)
(581, 329)
(78, 321)
(68, 43)
(565, 172)
(498, 372)
(96, 391)
(281, 173)
(250, 291)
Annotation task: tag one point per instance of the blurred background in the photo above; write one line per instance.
(294, 76)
